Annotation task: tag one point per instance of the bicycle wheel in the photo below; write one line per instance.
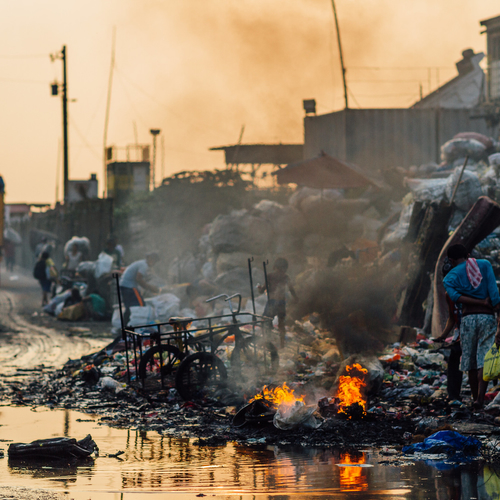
(171, 355)
(254, 357)
(199, 374)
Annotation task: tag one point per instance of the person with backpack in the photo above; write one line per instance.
(45, 272)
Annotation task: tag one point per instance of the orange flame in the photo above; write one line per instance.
(353, 478)
(349, 391)
(278, 396)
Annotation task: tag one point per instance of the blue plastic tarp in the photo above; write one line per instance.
(448, 442)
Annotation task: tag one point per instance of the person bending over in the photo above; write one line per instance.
(468, 281)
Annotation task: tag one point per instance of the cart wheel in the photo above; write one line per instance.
(170, 355)
(197, 373)
(254, 357)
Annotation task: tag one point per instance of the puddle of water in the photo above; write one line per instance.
(158, 464)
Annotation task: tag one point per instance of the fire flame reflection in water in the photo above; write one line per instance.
(353, 478)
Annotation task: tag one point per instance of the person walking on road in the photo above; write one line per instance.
(468, 282)
(45, 272)
(136, 276)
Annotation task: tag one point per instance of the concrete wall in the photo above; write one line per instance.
(379, 138)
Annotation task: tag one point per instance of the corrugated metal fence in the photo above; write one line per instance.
(379, 138)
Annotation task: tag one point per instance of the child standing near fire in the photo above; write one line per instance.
(277, 281)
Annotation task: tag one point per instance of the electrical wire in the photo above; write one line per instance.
(34, 56)
(13, 80)
(154, 99)
(84, 140)
(396, 68)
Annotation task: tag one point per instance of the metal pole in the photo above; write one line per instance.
(265, 276)
(250, 260)
(65, 124)
(154, 162)
(154, 132)
(124, 335)
(341, 55)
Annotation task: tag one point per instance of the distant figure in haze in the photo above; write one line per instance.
(73, 258)
(133, 277)
(45, 272)
(9, 252)
(277, 281)
(468, 282)
(40, 247)
(113, 251)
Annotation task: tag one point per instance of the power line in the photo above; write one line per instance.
(385, 81)
(34, 56)
(401, 68)
(84, 140)
(154, 99)
(13, 80)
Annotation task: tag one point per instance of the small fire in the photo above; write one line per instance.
(278, 396)
(350, 386)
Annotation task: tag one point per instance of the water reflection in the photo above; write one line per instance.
(154, 463)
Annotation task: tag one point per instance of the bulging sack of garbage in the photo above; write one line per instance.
(290, 417)
(86, 268)
(12, 236)
(116, 319)
(110, 384)
(82, 243)
(469, 189)
(460, 148)
(165, 306)
(427, 189)
(141, 315)
(103, 264)
(491, 370)
(494, 159)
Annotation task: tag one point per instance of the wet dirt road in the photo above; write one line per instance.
(29, 339)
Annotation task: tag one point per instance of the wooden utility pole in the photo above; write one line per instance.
(65, 124)
(341, 55)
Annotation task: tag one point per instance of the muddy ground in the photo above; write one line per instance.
(34, 371)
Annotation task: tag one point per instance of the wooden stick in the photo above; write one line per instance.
(458, 181)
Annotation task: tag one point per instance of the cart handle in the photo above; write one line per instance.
(228, 298)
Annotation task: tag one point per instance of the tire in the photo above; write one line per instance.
(198, 374)
(254, 358)
(171, 355)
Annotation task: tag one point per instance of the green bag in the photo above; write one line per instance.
(491, 370)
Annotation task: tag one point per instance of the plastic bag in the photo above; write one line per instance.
(460, 148)
(141, 315)
(12, 236)
(287, 418)
(82, 243)
(427, 189)
(103, 264)
(469, 189)
(491, 370)
(165, 306)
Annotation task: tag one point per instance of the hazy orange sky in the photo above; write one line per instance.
(200, 69)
